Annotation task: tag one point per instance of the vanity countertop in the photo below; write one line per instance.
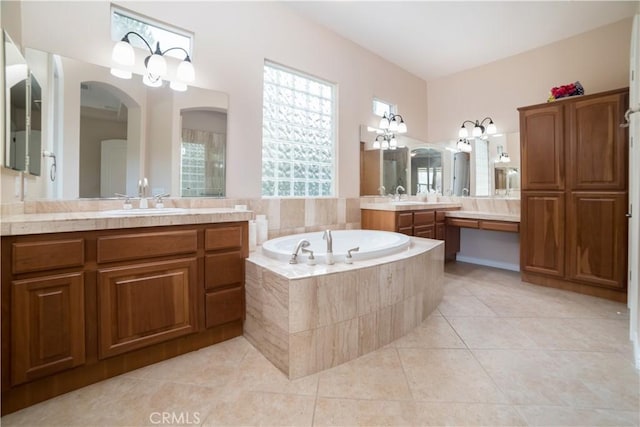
(491, 216)
(408, 205)
(60, 222)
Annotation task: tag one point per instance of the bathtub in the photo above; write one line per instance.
(372, 244)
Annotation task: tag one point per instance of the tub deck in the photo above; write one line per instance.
(305, 319)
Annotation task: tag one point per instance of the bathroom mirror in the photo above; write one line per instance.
(148, 119)
(16, 74)
(426, 170)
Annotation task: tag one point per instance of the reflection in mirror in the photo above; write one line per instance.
(394, 170)
(103, 140)
(506, 180)
(16, 73)
(203, 151)
(461, 174)
(34, 112)
(426, 171)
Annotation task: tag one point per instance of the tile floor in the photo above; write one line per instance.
(497, 352)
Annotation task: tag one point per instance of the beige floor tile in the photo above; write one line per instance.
(460, 305)
(256, 373)
(453, 286)
(434, 332)
(376, 375)
(250, 408)
(352, 412)
(448, 375)
(467, 414)
(490, 332)
(548, 416)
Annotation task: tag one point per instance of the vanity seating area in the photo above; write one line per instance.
(90, 295)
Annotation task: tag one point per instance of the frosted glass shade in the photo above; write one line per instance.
(463, 133)
(477, 131)
(402, 128)
(123, 54)
(151, 82)
(156, 65)
(384, 123)
(186, 72)
(491, 129)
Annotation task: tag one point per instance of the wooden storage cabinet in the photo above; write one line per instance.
(574, 199)
(80, 307)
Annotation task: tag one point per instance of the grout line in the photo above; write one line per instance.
(404, 372)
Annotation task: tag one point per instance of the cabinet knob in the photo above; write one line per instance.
(628, 215)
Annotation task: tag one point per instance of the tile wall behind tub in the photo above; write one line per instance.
(285, 216)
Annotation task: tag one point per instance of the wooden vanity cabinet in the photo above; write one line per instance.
(574, 194)
(81, 307)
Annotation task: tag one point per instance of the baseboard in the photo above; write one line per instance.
(488, 263)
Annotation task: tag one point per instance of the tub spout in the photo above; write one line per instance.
(294, 256)
(329, 256)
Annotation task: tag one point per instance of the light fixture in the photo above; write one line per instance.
(393, 123)
(464, 145)
(478, 128)
(503, 156)
(385, 141)
(123, 57)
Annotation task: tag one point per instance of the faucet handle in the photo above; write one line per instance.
(348, 259)
(311, 260)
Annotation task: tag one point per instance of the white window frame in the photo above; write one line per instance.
(333, 133)
(154, 26)
(392, 108)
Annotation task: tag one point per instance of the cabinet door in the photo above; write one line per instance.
(224, 306)
(404, 223)
(597, 239)
(542, 231)
(598, 149)
(426, 231)
(223, 269)
(47, 326)
(144, 304)
(542, 148)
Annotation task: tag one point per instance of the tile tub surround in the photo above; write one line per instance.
(306, 319)
(285, 216)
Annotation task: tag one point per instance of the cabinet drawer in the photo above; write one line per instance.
(423, 218)
(49, 255)
(229, 237)
(512, 227)
(146, 245)
(426, 231)
(404, 219)
(460, 222)
(440, 216)
(224, 306)
(223, 269)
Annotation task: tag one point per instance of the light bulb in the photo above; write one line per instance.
(186, 72)
(463, 133)
(156, 65)
(123, 74)
(477, 131)
(123, 54)
(491, 129)
(402, 128)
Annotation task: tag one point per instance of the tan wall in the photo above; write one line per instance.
(599, 59)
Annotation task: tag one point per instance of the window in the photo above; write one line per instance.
(380, 108)
(123, 21)
(298, 135)
(483, 178)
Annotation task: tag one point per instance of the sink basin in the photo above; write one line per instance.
(148, 211)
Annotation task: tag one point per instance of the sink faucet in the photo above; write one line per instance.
(143, 185)
(381, 190)
(398, 189)
(329, 255)
(294, 256)
(159, 197)
(465, 191)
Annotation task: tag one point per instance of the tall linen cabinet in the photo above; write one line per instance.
(574, 164)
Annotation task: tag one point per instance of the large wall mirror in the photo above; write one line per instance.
(106, 134)
(491, 169)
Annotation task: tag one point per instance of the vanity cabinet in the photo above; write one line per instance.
(574, 194)
(80, 307)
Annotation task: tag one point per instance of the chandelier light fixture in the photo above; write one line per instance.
(393, 123)
(385, 141)
(123, 57)
(503, 156)
(479, 128)
(464, 145)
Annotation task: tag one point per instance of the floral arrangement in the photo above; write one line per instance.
(571, 89)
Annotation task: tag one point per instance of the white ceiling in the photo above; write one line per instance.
(434, 39)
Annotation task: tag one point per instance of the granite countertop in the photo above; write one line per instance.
(38, 223)
(407, 205)
(493, 216)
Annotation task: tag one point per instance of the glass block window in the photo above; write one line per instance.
(298, 134)
(123, 21)
(483, 178)
(380, 108)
